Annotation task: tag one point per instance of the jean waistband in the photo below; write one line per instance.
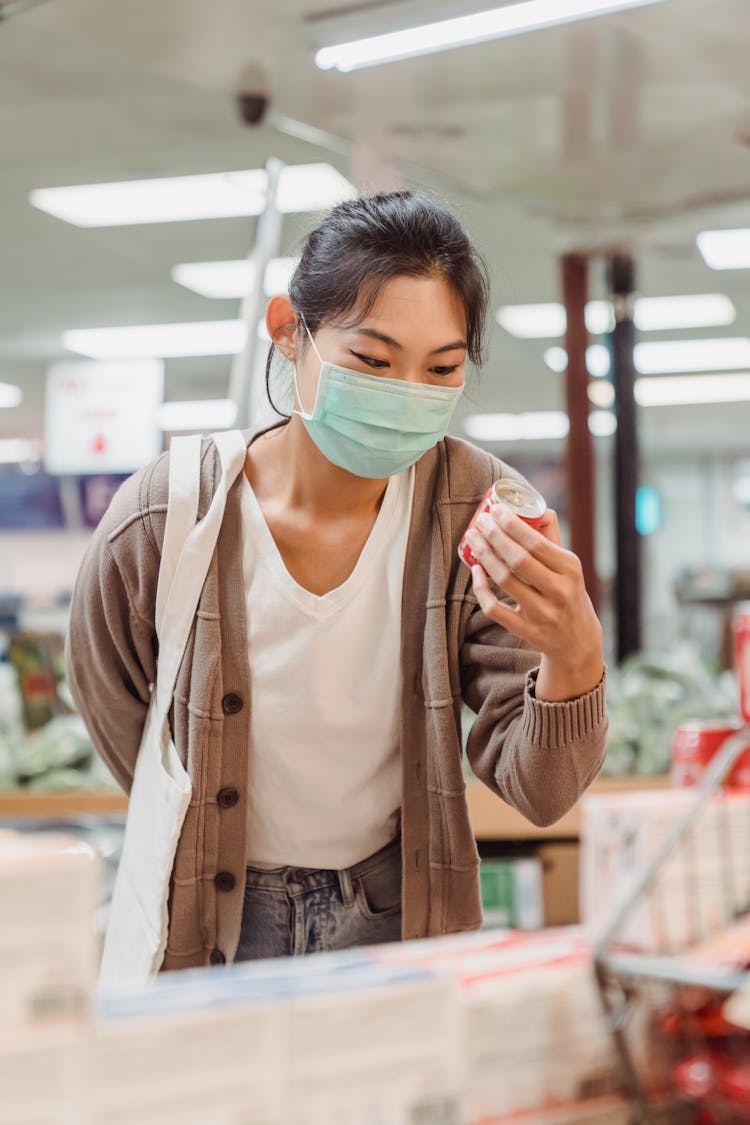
(309, 878)
(366, 865)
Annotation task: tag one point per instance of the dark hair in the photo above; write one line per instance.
(363, 243)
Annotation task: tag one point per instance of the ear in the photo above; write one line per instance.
(281, 323)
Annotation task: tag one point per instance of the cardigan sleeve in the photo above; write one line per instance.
(537, 756)
(110, 653)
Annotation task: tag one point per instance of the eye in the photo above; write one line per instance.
(443, 371)
(370, 360)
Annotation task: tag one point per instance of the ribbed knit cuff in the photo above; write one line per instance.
(554, 725)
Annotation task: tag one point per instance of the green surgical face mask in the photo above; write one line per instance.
(372, 426)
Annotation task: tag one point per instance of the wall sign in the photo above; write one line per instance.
(101, 417)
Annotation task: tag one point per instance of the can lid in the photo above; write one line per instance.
(519, 495)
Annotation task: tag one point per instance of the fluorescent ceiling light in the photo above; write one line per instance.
(601, 393)
(533, 322)
(16, 451)
(163, 341)
(302, 187)
(656, 358)
(602, 423)
(597, 360)
(693, 310)
(652, 314)
(664, 356)
(556, 359)
(203, 415)
(547, 320)
(463, 31)
(10, 396)
(676, 390)
(725, 249)
(233, 280)
(550, 425)
(532, 426)
(542, 425)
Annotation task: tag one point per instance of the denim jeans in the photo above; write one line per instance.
(290, 911)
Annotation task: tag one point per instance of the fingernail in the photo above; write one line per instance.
(484, 523)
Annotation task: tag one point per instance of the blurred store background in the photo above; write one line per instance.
(124, 299)
(162, 161)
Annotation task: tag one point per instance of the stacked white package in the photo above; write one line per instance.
(705, 880)
(162, 1059)
(593, 1111)
(380, 1049)
(333, 1038)
(44, 1074)
(48, 887)
(535, 1038)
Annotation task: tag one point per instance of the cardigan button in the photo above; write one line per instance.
(228, 798)
(216, 957)
(225, 881)
(232, 703)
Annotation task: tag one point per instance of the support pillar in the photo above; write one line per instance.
(621, 278)
(267, 240)
(579, 454)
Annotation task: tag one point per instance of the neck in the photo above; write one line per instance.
(287, 465)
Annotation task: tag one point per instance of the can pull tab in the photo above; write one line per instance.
(511, 495)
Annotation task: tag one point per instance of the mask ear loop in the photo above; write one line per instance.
(302, 412)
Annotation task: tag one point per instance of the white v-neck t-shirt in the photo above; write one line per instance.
(325, 767)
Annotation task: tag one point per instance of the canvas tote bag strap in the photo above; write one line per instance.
(191, 570)
(182, 513)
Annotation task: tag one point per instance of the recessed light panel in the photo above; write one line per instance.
(463, 31)
(219, 195)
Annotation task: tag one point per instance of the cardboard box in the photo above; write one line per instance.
(560, 882)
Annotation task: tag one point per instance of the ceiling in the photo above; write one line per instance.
(629, 132)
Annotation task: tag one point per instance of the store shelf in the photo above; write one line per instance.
(491, 817)
(494, 820)
(19, 804)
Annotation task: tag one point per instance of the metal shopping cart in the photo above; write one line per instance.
(683, 1061)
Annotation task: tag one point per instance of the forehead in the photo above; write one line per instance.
(417, 305)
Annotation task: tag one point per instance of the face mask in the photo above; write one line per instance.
(372, 426)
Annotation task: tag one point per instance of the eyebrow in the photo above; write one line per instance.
(400, 347)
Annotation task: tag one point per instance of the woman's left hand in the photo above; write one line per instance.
(553, 611)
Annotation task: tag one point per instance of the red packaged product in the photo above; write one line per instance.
(742, 656)
(696, 743)
(695, 1077)
(518, 496)
(733, 1082)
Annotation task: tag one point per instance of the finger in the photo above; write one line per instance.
(553, 556)
(502, 614)
(515, 557)
(529, 599)
(549, 527)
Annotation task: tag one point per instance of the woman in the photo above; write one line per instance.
(318, 704)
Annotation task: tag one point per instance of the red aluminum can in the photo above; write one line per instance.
(742, 656)
(517, 495)
(696, 743)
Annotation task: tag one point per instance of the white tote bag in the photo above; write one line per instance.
(138, 922)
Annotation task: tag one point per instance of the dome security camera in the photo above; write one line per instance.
(252, 97)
